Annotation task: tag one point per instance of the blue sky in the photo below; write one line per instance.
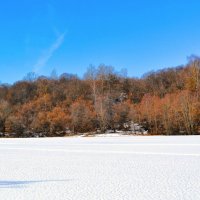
(69, 35)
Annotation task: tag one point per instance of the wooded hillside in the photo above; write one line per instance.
(163, 102)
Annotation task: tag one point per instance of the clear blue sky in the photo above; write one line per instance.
(68, 35)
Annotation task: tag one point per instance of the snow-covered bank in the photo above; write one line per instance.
(158, 167)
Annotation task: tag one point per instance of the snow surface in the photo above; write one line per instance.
(110, 168)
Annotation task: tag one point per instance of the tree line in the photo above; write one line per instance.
(163, 102)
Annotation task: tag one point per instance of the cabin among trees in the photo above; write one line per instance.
(163, 102)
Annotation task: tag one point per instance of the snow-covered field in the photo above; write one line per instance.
(111, 168)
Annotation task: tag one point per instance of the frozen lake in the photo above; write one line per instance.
(104, 168)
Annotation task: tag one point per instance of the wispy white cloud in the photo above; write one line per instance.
(42, 61)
